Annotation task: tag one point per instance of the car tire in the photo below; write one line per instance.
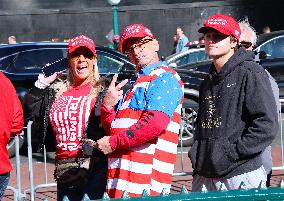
(11, 146)
(188, 121)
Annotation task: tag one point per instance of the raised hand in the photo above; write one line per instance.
(114, 93)
(50, 79)
(43, 82)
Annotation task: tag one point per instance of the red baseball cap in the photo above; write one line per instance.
(223, 23)
(133, 31)
(81, 41)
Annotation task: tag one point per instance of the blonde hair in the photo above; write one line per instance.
(97, 83)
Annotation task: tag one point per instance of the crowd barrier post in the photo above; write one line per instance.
(30, 159)
(18, 195)
(33, 187)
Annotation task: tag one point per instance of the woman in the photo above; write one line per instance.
(67, 110)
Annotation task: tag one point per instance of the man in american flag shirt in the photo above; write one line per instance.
(143, 131)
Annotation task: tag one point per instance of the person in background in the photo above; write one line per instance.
(115, 40)
(248, 40)
(237, 117)
(143, 132)
(182, 40)
(175, 42)
(266, 29)
(66, 111)
(12, 123)
(56, 40)
(12, 40)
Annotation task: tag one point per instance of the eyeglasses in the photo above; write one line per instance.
(140, 44)
(76, 55)
(245, 44)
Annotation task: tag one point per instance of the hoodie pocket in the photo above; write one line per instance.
(213, 157)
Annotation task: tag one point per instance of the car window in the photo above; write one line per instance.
(31, 60)
(274, 48)
(108, 63)
(6, 63)
(191, 58)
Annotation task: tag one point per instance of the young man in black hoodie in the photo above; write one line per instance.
(237, 116)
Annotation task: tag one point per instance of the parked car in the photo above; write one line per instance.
(22, 63)
(269, 52)
(194, 54)
(192, 75)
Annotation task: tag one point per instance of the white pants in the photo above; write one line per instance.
(250, 179)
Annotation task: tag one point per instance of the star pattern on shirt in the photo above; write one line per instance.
(163, 93)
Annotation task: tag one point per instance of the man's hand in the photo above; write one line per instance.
(103, 145)
(114, 93)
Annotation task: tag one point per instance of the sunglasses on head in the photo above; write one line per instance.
(245, 44)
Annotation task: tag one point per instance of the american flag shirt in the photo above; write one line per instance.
(150, 165)
(68, 116)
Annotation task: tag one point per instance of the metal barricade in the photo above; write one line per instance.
(281, 138)
(19, 194)
(33, 188)
(17, 191)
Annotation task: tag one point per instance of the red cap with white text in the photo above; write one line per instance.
(223, 23)
(81, 41)
(134, 31)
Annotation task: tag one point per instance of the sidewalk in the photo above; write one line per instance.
(177, 183)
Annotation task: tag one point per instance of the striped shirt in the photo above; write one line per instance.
(69, 115)
(149, 165)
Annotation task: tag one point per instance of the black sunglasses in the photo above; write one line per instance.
(245, 44)
(87, 54)
(138, 44)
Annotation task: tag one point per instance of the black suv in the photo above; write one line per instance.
(22, 63)
(269, 52)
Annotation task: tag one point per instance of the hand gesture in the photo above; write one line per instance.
(114, 93)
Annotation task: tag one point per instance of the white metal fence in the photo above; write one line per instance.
(20, 194)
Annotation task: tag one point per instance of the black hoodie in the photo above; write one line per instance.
(237, 119)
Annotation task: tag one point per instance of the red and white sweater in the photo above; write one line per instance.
(144, 133)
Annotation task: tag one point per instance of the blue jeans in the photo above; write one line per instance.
(4, 180)
(95, 187)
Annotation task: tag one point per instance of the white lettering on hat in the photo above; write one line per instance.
(219, 21)
(131, 30)
(82, 39)
(237, 32)
(148, 32)
(76, 42)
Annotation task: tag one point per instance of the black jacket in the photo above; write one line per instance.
(37, 104)
(237, 119)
